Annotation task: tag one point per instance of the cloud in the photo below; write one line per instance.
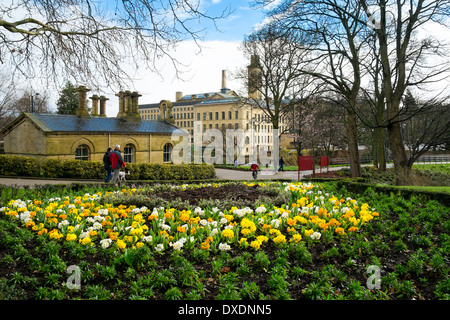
(203, 73)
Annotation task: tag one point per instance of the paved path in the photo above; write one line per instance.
(221, 174)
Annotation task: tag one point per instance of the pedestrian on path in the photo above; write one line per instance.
(107, 163)
(116, 163)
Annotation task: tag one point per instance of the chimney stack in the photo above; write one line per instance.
(224, 79)
(94, 99)
(82, 110)
(103, 106)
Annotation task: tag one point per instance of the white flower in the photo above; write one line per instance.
(213, 232)
(25, 216)
(105, 243)
(285, 215)
(96, 226)
(159, 247)
(261, 209)
(199, 211)
(215, 209)
(63, 223)
(275, 223)
(224, 247)
(223, 221)
(103, 212)
(203, 222)
(84, 234)
(316, 235)
(147, 238)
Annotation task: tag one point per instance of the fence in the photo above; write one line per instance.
(438, 158)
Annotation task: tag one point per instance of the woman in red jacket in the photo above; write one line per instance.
(116, 163)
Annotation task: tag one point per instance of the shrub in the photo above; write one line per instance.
(55, 168)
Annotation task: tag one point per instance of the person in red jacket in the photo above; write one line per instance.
(255, 168)
(116, 163)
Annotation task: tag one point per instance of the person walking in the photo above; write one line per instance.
(281, 165)
(116, 163)
(107, 163)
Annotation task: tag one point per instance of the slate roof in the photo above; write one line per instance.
(73, 123)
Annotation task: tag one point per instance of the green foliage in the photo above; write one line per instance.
(68, 100)
(75, 169)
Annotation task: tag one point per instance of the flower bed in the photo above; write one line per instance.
(312, 214)
(294, 241)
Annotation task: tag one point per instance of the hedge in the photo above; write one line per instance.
(361, 187)
(54, 168)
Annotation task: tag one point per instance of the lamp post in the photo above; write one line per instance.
(32, 101)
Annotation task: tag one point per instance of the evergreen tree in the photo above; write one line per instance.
(68, 100)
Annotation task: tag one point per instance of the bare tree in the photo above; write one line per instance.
(427, 127)
(92, 41)
(336, 42)
(406, 58)
(273, 75)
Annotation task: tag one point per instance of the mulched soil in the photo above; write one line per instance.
(248, 194)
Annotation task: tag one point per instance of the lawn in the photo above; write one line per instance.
(222, 241)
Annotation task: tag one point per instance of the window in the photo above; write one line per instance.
(223, 115)
(236, 115)
(217, 115)
(128, 153)
(82, 153)
(229, 115)
(167, 152)
(198, 116)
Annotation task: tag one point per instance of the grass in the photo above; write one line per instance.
(426, 188)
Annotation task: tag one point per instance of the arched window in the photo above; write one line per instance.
(167, 152)
(82, 152)
(128, 153)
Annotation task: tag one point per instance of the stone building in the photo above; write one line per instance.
(223, 109)
(87, 136)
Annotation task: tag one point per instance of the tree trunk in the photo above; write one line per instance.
(380, 149)
(402, 170)
(352, 131)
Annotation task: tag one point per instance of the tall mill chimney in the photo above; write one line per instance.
(224, 79)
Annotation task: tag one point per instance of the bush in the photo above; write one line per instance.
(55, 168)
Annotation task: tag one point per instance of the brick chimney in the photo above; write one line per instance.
(82, 110)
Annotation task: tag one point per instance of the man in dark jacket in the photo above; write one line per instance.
(107, 163)
(116, 163)
(281, 165)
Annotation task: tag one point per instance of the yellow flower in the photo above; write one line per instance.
(309, 232)
(229, 217)
(279, 239)
(228, 233)
(85, 240)
(353, 229)
(71, 237)
(121, 244)
(296, 238)
(255, 244)
(262, 239)
(139, 244)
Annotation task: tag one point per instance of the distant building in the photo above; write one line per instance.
(222, 110)
(87, 136)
